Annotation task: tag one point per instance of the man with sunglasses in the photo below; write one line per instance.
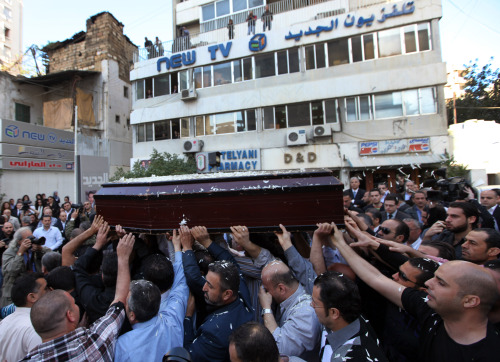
(454, 314)
(394, 230)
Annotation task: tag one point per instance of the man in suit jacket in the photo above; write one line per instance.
(356, 193)
(7, 215)
(490, 200)
(391, 205)
(419, 204)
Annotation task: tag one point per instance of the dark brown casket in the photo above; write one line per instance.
(259, 200)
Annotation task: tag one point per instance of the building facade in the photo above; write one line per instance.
(11, 35)
(352, 86)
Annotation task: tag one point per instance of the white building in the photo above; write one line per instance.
(353, 86)
(11, 36)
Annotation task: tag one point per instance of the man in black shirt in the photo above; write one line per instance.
(454, 315)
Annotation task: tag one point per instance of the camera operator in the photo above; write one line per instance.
(21, 256)
(78, 216)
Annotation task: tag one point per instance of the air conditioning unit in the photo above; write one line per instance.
(192, 146)
(322, 131)
(188, 94)
(296, 137)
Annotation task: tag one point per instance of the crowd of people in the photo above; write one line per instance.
(407, 277)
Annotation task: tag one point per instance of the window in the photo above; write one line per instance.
(428, 101)
(237, 70)
(388, 105)
(222, 73)
(255, 3)
(207, 76)
(245, 120)
(139, 89)
(264, 65)
(280, 116)
(184, 127)
(162, 130)
(310, 63)
(208, 12)
(315, 56)
(298, 115)
(356, 48)
(199, 126)
(144, 132)
(176, 129)
(162, 85)
(338, 52)
(184, 79)
(224, 123)
(410, 101)
(423, 37)
(117, 118)
(293, 60)
(282, 62)
(358, 108)
(369, 46)
(389, 42)
(204, 125)
(268, 117)
(6, 32)
(222, 7)
(125, 92)
(7, 12)
(22, 113)
(331, 111)
(317, 113)
(410, 39)
(239, 5)
(251, 120)
(198, 77)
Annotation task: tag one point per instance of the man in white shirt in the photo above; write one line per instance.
(17, 335)
(53, 237)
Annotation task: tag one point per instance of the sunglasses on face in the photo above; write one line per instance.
(385, 230)
(403, 277)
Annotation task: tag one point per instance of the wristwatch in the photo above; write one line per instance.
(266, 311)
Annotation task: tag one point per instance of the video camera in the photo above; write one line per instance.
(449, 190)
(26, 205)
(78, 207)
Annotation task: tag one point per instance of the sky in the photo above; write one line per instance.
(469, 29)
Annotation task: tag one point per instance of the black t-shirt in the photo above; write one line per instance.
(436, 344)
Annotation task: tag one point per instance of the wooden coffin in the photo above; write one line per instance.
(259, 200)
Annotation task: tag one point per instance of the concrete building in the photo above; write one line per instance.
(11, 35)
(456, 83)
(91, 71)
(353, 86)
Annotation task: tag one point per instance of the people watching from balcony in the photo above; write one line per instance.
(251, 23)
(230, 29)
(267, 18)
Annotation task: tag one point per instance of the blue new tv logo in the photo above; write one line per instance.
(257, 42)
(12, 131)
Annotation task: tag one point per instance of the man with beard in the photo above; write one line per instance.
(461, 220)
(224, 290)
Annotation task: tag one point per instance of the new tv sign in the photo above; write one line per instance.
(21, 133)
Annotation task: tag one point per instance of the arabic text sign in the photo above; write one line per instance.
(21, 133)
(35, 152)
(394, 146)
(26, 164)
(94, 172)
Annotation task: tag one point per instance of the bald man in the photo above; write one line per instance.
(454, 315)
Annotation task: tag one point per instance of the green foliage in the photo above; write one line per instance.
(454, 169)
(161, 164)
(482, 90)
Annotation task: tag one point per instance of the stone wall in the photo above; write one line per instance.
(104, 39)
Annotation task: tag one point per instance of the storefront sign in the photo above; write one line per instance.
(300, 157)
(93, 173)
(35, 152)
(20, 133)
(26, 164)
(394, 146)
(238, 160)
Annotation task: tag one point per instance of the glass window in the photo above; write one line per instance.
(149, 87)
(389, 42)
(209, 125)
(251, 120)
(298, 115)
(410, 98)
(338, 52)
(351, 109)
(237, 70)
(184, 127)
(282, 62)
(255, 3)
(388, 105)
(310, 57)
(369, 46)
(222, 7)
(222, 73)
(239, 5)
(149, 132)
(428, 102)
(264, 65)
(331, 111)
(357, 52)
(280, 116)
(224, 123)
(176, 129)
(22, 112)
(268, 118)
(199, 125)
(364, 108)
(139, 89)
(293, 60)
(247, 69)
(162, 85)
(320, 56)
(207, 76)
(240, 121)
(140, 133)
(198, 77)
(423, 37)
(208, 12)
(317, 113)
(184, 79)
(162, 130)
(410, 40)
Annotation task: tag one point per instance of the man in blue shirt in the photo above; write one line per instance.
(156, 311)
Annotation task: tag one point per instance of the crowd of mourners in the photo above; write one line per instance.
(407, 277)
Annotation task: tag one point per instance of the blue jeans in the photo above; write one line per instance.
(251, 29)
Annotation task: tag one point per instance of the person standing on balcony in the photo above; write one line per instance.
(230, 28)
(148, 44)
(159, 47)
(267, 18)
(251, 23)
